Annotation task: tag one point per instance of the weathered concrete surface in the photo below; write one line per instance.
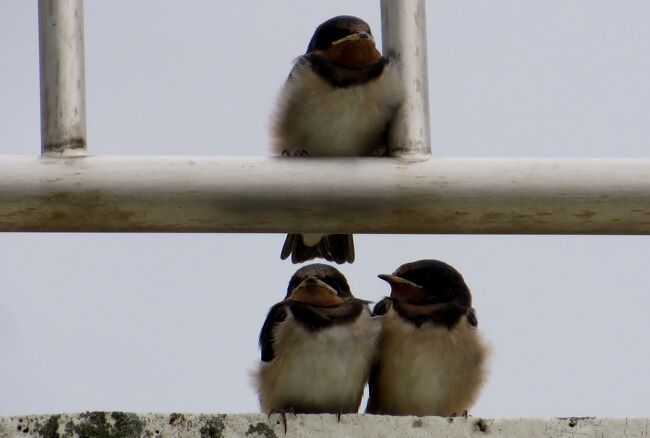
(127, 425)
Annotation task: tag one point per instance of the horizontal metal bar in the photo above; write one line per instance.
(62, 76)
(360, 195)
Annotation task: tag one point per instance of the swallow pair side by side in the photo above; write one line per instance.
(338, 101)
(419, 350)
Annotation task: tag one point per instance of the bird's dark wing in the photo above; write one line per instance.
(382, 307)
(373, 391)
(471, 317)
(298, 63)
(277, 314)
(299, 252)
(337, 248)
(340, 247)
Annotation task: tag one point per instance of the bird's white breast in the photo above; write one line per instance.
(429, 370)
(325, 120)
(325, 370)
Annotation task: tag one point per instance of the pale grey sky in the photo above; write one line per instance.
(154, 322)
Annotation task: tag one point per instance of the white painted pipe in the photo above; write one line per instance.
(63, 87)
(404, 40)
(358, 195)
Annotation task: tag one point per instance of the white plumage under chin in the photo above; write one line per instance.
(429, 370)
(322, 371)
(324, 120)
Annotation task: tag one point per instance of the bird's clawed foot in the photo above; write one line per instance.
(464, 414)
(283, 414)
(298, 152)
(380, 152)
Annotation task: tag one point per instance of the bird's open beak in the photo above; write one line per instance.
(315, 292)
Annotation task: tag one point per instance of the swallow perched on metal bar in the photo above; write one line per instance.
(318, 346)
(338, 101)
(431, 358)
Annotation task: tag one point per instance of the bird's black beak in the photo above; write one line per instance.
(394, 280)
(403, 289)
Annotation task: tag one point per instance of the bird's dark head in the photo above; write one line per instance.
(319, 285)
(428, 282)
(345, 40)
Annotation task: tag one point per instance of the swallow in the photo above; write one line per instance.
(431, 358)
(338, 101)
(317, 346)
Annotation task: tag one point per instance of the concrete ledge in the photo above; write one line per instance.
(128, 425)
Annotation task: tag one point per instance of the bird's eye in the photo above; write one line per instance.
(293, 284)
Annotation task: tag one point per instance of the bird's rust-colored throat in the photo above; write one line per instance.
(357, 53)
(319, 295)
(408, 294)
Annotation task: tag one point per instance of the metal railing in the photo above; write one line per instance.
(65, 190)
(63, 83)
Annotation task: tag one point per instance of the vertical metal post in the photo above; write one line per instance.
(63, 87)
(404, 40)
